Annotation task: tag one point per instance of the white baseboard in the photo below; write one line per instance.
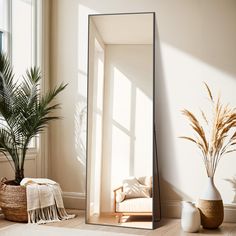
(230, 213)
(172, 209)
(74, 200)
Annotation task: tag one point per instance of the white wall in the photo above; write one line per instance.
(30, 167)
(196, 43)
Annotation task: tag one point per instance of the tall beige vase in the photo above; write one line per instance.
(211, 206)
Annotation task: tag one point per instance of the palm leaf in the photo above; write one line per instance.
(24, 112)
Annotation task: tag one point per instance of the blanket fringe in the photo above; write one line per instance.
(48, 215)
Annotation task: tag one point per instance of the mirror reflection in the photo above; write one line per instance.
(120, 120)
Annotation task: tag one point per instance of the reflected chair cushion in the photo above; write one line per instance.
(133, 189)
(135, 205)
(146, 180)
(120, 197)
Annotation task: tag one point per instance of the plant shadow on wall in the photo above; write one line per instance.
(80, 136)
(215, 136)
(80, 132)
(233, 184)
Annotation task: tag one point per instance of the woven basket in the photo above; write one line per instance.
(212, 213)
(13, 201)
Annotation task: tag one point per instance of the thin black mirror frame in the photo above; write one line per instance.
(156, 204)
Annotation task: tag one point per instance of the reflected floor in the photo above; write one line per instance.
(144, 222)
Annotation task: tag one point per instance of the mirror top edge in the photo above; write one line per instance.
(121, 13)
(126, 28)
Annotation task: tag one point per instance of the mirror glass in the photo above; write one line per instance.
(120, 120)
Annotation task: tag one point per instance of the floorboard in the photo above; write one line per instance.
(169, 227)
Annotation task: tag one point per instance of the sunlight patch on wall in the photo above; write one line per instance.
(120, 156)
(121, 99)
(143, 134)
(187, 90)
(100, 84)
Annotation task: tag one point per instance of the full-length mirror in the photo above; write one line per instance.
(122, 176)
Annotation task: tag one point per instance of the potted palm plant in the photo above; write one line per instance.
(24, 113)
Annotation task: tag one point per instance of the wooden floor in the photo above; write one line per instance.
(168, 227)
(144, 222)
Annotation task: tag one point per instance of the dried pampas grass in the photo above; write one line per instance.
(221, 137)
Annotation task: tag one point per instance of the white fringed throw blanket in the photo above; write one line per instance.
(44, 201)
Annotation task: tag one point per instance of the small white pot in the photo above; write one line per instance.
(190, 219)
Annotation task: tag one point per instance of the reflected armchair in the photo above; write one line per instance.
(134, 197)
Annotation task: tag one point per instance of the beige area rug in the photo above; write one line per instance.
(40, 230)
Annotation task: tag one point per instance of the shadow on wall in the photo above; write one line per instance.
(172, 193)
(199, 28)
(233, 184)
(164, 131)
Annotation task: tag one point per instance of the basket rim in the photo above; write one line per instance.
(7, 183)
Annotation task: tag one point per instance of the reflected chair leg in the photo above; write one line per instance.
(119, 218)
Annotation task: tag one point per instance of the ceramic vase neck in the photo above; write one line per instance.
(210, 191)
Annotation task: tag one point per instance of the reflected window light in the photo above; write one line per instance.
(121, 99)
(97, 165)
(98, 84)
(99, 61)
(143, 134)
(120, 156)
